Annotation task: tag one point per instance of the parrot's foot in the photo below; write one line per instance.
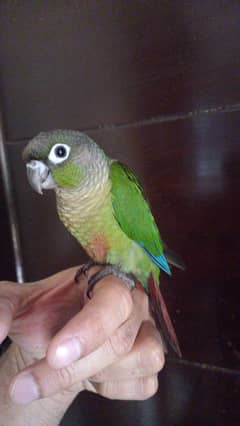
(128, 279)
(84, 269)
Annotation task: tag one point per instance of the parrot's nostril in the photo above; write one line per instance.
(33, 164)
(38, 167)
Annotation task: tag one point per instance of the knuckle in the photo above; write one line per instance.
(125, 302)
(99, 376)
(65, 376)
(157, 357)
(141, 304)
(121, 342)
(144, 300)
(151, 357)
(108, 390)
(96, 322)
(148, 387)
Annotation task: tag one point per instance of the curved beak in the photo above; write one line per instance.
(39, 176)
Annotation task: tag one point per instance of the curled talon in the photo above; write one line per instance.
(83, 270)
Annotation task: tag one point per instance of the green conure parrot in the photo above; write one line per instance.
(101, 203)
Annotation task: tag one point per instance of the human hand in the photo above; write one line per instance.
(116, 349)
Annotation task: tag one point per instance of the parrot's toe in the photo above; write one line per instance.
(128, 279)
(83, 270)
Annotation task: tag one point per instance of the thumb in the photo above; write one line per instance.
(9, 301)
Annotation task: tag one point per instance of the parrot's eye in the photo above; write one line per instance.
(59, 153)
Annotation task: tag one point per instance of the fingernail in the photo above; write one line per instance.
(68, 352)
(24, 389)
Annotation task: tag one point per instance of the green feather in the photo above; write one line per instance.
(131, 209)
(67, 175)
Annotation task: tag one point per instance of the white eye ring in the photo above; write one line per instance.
(59, 153)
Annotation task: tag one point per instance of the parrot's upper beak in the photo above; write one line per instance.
(39, 176)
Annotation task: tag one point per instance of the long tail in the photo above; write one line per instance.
(161, 315)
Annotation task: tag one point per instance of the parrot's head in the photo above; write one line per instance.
(63, 159)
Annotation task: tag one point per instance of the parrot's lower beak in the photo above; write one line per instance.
(39, 176)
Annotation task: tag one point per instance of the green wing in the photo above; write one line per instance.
(132, 210)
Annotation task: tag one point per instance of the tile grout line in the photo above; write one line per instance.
(204, 366)
(154, 120)
(11, 208)
(167, 118)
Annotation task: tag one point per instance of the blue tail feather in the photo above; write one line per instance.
(160, 261)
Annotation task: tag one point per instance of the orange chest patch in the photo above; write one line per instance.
(97, 248)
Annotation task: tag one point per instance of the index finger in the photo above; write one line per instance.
(110, 306)
(10, 298)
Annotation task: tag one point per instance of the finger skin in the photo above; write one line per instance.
(6, 316)
(145, 359)
(46, 382)
(110, 307)
(51, 381)
(9, 301)
(138, 389)
(111, 322)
